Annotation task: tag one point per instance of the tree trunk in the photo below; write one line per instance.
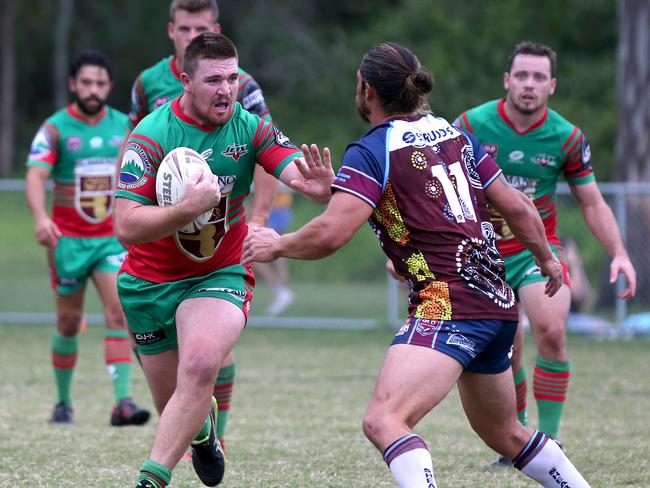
(632, 151)
(61, 57)
(7, 88)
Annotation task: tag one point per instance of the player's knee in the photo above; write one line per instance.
(115, 318)
(552, 337)
(68, 322)
(198, 370)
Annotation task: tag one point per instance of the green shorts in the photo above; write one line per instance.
(150, 308)
(521, 269)
(75, 258)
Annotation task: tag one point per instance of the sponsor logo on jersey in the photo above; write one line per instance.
(147, 338)
(96, 142)
(282, 140)
(516, 156)
(463, 343)
(523, 184)
(207, 154)
(492, 150)
(160, 101)
(73, 143)
(116, 140)
(431, 138)
(403, 329)
(135, 165)
(41, 145)
(544, 160)
(235, 151)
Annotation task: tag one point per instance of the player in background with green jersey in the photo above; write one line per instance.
(160, 84)
(534, 146)
(78, 146)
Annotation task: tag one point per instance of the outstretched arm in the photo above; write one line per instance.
(311, 175)
(601, 222)
(524, 221)
(320, 237)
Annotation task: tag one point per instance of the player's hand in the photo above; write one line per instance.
(317, 174)
(622, 264)
(202, 193)
(47, 232)
(552, 268)
(260, 246)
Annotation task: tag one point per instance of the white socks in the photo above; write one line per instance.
(410, 462)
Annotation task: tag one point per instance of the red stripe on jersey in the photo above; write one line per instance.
(261, 133)
(151, 143)
(468, 126)
(569, 139)
(575, 145)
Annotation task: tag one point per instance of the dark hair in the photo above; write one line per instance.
(397, 76)
(194, 6)
(92, 58)
(534, 49)
(207, 45)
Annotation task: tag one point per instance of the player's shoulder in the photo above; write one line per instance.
(483, 112)
(59, 118)
(154, 72)
(557, 123)
(117, 115)
(156, 123)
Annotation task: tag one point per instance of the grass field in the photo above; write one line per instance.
(297, 408)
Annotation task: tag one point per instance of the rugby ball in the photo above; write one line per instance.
(175, 170)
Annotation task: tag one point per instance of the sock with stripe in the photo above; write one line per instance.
(117, 355)
(410, 462)
(521, 390)
(64, 359)
(203, 434)
(158, 475)
(223, 393)
(550, 386)
(543, 460)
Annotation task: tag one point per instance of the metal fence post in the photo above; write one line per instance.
(621, 217)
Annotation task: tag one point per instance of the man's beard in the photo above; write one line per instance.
(88, 109)
(525, 110)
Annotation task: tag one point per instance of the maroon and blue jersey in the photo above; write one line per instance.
(425, 180)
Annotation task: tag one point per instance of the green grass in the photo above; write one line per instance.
(296, 417)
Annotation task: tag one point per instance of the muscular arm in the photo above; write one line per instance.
(601, 222)
(320, 237)
(265, 189)
(47, 232)
(524, 221)
(136, 223)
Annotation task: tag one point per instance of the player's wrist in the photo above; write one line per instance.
(258, 219)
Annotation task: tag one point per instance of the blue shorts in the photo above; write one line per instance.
(481, 346)
(280, 219)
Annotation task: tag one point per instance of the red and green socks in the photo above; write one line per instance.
(117, 354)
(154, 475)
(223, 393)
(64, 359)
(550, 386)
(521, 390)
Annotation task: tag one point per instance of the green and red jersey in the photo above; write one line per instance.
(161, 83)
(532, 161)
(232, 151)
(81, 157)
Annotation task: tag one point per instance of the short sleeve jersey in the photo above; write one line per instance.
(231, 151)
(161, 83)
(81, 157)
(425, 180)
(532, 161)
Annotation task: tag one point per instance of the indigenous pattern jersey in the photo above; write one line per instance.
(231, 151)
(532, 161)
(425, 180)
(162, 83)
(82, 158)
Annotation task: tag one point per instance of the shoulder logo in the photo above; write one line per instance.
(586, 150)
(41, 145)
(135, 165)
(235, 151)
(158, 102)
(282, 140)
(491, 149)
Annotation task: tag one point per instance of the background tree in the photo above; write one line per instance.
(7, 88)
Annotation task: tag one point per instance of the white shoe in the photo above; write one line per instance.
(283, 298)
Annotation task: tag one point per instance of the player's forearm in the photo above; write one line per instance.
(136, 224)
(317, 239)
(265, 190)
(527, 227)
(35, 196)
(602, 223)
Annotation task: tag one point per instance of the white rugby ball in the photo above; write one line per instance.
(175, 170)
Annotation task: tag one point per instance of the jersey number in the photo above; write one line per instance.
(459, 198)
